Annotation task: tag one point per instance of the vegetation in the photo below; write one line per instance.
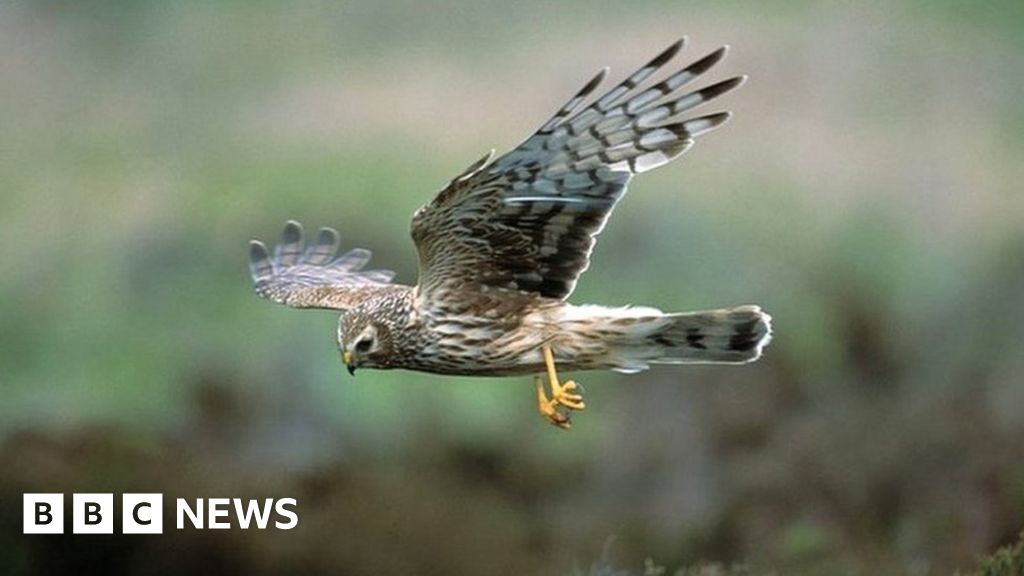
(1007, 561)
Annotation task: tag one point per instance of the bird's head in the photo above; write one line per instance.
(363, 341)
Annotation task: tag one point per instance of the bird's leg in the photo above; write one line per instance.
(563, 394)
(547, 407)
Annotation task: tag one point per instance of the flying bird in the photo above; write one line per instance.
(503, 244)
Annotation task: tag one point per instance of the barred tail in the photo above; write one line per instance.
(729, 335)
(630, 339)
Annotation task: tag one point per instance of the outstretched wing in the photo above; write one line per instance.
(312, 276)
(528, 221)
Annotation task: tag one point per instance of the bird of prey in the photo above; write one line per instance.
(503, 244)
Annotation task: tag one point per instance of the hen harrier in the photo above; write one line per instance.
(502, 246)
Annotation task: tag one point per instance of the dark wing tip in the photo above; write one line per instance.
(259, 260)
(704, 64)
(292, 232)
(594, 82)
(709, 122)
(257, 249)
(667, 54)
(326, 236)
(718, 118)
(716, 90)
(289, 249)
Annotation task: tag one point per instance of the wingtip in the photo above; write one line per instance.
(326, 236)
(292, 232)
(594, 82)
(715, 90)
(259, 260)
(257, 250)
(696, 126)
(715, 120)
(668, 53)
(708, 61)
(720, 118)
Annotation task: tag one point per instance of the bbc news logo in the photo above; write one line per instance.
(144, 513)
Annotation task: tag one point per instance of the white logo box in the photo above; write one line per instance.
(43, 513)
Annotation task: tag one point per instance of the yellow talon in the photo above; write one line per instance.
(565, 397)
(561, 394)
(547, 407)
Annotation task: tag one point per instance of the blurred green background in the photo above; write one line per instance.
(867, 193)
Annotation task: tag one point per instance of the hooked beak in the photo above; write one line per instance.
(346, 357)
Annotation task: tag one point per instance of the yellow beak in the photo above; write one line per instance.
(346, 357)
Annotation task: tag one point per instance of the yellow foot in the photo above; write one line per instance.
(549, 408)
(566, 395)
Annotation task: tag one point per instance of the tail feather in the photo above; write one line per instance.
(729, 335)
(630, 339)
(725, 336)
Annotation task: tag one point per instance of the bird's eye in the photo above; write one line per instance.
(364, 345)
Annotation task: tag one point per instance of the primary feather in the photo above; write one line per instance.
(528, 221)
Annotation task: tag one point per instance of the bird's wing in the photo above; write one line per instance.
(313, 276)
(528, 221)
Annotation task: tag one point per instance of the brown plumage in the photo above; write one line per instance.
(503, 244)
